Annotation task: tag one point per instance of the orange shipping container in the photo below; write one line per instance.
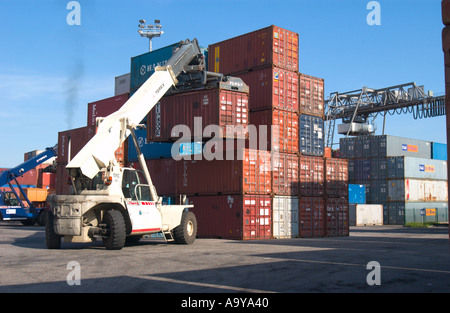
(336, 177)
(272, 87)
(312, 182)
(285, 174)
(281, 131)
(311, 95)
(270, 46)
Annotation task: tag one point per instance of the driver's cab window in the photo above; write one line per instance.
(129, 182)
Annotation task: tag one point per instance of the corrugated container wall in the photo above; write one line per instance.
(312, 217)
(311, 135)
(143, 66)
(439, 151)
(272, 87)
(336, 177)
(384, 146)
(282, 129)
(285, 219)
(226, 109)
(356, 194)
(407, 167)
(249, 174)
(285, 174)
(311, 95)
(105, 107)
(417, 190)
(270, 46)
(312, 181)
(163, 173)
(242, 217)
(337, 217)
(122, 84)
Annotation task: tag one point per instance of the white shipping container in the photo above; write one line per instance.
(122, 84)
(417, 190)
(366, 214)
(285, 217)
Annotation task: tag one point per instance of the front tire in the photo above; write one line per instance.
(186, 232)
(115, 225)
(52, 239)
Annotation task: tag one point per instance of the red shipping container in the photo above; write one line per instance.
(105, 107)
(250, 173)
(242, 217)
(337, 215)
(272, 87)
(312, 171)
(70, 142)
(311, 217)
(163, 173)
(285, 174)
(311, 95)
(283, 136)
(336, 177)
(62, 180)
(46, 180)
(270, 46)
(224, 108)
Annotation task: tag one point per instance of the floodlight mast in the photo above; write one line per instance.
(149, 31)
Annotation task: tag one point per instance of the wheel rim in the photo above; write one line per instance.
(190, 228)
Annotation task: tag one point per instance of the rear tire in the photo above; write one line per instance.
(115, 225)
(52, 239)
(186, 232)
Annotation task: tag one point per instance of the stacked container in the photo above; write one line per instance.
(267, 61)
(398, 172)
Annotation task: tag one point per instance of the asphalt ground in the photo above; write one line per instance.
(376, 259)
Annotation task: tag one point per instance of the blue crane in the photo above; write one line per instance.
(12, 207)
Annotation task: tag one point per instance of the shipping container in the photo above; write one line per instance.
(347, 148)
(241, 217)
(143, 66)
(105, 107)
(285, 174)
(417, 190)
(272, 87)
(250, 173)
(46, 179)
(122, 84)
(279, 127)
(311, 135)
(439, 151)
(376, 190)
(356, 194)
(408, 167)
(395, 213)
(426, 212)
(336, 177)
(285, 218)
(337, 217)
(365, 214)
(62, 180)
(197, 110)
(163, 173)
(161, 150)
(312, 217)
(270, 46)
(311, 95)
(397, 146)
(312, 180)
(70, 142)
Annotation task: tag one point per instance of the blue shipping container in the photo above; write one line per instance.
(143, 66)
(311, 135)
(439, 151)
(356, 194)
(160, 150)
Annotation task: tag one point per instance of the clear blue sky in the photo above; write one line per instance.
(49, 70)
